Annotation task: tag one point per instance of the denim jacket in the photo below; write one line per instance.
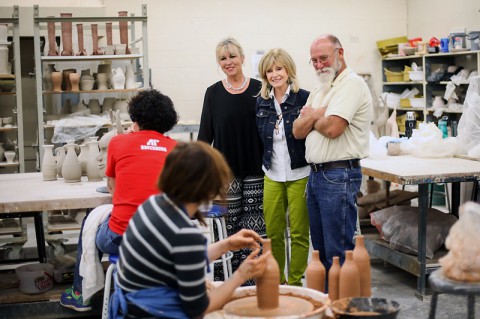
(266, 117)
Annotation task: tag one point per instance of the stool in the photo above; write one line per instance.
(440, 284)
(108, 283)
(225, 259)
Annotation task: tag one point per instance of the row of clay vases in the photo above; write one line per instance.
(67, 37)
(268, 284)
(353, 278)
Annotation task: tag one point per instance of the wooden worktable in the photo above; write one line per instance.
(410, 170)
(27, 195)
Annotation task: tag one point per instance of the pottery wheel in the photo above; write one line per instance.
(288, 306)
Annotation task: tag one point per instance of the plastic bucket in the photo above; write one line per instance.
(35, 278)
(474, 37)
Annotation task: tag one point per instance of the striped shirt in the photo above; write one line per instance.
(163, 247)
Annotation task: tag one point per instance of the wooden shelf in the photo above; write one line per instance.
(404, 83)
(8, 93)
(5, 164)
(6, 129)
(7, 76)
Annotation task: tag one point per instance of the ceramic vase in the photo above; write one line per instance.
(81, 48)
(129, 76)
(60, 154)
(52, 43)
(67, 86)
(95, 39)
(82, 158)
(109, 49)
(94, 106)
(49, 167)
(106, 67)
(108, 104)
(10, 158)
(74, 79)
(315, 273)
(122, 107)
(71, 169)
(4, 65)
(362, 260)
(123, 26)
(118, 79)
(47, 76)
(56, 81)
(349, 282)
(66, 35)
(102, 80)
(93, 173)
(268, 283)
(333, 279)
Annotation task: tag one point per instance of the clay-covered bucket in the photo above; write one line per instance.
(318, 299)
(365, 308)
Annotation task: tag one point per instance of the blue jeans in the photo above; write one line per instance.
(107, 242)
(332, 211)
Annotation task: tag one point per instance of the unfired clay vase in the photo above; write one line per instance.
(47, 76)
(60, 153)
(349, 283)
(110, 50)
(52, 44)
(66, 35)
(362, 260)
(123, 26)
(268, 282)
(93, 173)
(74, 79)
(81, 48)
(315, 273)
(67, 86)
(106, 67)
(129, 77)
(122, 106)
(333, 279)
(71, 169)
(82, 158)
(94, 106)
(49, 167)
(95, 39)
(118, 79)
(56, 81)
(102, 80)
(10, 157)
(108, 104)
(105, 140)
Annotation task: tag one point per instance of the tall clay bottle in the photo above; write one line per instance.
(49, 167)
(56, 81)
(349, 283)
(93, 172)
(81, 48)
(315, 273)
(52, 44)
(268, 284)
(109, 50)
(60, 152)
(334, 279)
(95, 39)
(71, 168)
(66, 35)
(83, 157)
(123, 26)
(362, 260)
(74, 79)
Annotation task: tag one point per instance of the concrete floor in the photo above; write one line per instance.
(395, 284)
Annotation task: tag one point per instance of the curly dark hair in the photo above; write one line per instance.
(152, 110)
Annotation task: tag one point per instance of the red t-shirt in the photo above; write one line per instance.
(135, 160)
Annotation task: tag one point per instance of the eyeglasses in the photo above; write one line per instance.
(322, 59)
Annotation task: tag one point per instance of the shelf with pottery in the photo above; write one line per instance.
(11, 106)
(97, 56)
(95, 91)
(76, 58)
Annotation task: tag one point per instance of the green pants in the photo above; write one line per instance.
(277, 196)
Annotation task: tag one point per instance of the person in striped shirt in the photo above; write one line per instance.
(163, 255)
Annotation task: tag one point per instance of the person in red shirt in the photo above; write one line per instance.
(134, 163)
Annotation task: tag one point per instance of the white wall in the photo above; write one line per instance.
(183, 33)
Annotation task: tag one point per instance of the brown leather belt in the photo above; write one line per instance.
(336, 164)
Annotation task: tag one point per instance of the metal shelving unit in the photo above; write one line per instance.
(14, 110)
(39, 24)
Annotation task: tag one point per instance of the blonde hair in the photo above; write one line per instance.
(227, 44)
(279, 57)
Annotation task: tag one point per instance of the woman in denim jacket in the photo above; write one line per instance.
(286, 171)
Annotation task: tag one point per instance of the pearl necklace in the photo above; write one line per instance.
(229, 86)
